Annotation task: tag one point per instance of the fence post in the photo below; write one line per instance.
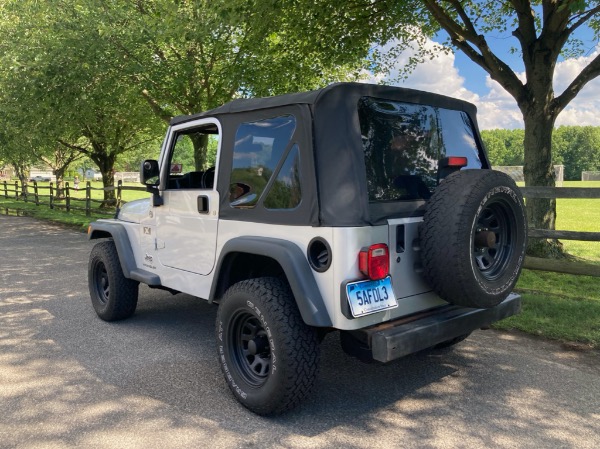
(17, 190)
(25, 190)
(119, 188)
(51, 195)
(36, 196)
(68, 196)
(5, 190)
(88, 198)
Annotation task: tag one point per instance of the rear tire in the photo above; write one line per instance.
(114, 297)
(268, 355)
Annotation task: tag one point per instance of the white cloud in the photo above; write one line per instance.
(585, 108)
(497, 109)
(438, 75)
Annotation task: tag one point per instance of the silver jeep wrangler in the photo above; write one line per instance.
(367, 210)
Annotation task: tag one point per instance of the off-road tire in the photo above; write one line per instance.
(268, 355)
(467, 208)
(114, 297)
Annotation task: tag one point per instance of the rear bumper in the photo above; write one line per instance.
(389, 341)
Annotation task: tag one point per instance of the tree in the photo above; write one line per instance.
(65, 86)
(58, 158)
(578, 148)
(194, 55)
(543, 31)
(11, 151)
(504, 146)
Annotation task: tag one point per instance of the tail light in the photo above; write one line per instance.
(374, 261)
(449, 165)
(454, 161)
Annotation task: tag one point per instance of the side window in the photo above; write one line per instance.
(259, 148)
(192, 158)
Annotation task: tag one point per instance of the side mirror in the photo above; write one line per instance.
(150, 173)
(150, 177)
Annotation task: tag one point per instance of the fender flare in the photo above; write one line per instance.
(118, 233)
(295, 266)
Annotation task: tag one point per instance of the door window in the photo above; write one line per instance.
(192, 158)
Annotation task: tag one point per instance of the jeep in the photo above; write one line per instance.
(367, 210)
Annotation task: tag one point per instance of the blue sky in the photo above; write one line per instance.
(456, 75)
(501, 45)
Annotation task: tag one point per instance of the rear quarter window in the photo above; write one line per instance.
(265, 165)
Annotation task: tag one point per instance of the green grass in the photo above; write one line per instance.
(557, 306)
(580, 215)
(561, 306)
(74, 218)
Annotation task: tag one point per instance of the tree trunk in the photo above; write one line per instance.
(59, 173)
(200, 142)
(108, 180)
(60, 190)
(106, 163)
(21, 172)
(539, 171)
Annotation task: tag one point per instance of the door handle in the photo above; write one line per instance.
(203, 206)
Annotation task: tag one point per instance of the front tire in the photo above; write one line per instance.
(268, 355)
(114, 297)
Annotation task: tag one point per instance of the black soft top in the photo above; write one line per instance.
(329, 97)
(335, 187)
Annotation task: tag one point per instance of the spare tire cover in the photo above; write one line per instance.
(473, 238)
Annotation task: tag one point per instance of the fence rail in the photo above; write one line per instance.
(69, 203)
(62, 198)
(562, 266)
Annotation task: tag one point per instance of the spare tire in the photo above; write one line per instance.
(473, 238)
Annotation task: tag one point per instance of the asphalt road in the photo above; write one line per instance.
(68, 379)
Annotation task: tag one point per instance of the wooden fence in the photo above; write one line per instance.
(562, 266)
(49, 196)
(69, 203)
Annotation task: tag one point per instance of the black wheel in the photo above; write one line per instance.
(114, 297)
(268, 355)
(473, 238)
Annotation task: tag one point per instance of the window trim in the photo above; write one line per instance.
(168, 147)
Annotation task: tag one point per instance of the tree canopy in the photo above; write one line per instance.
(96, 75)
(575, 147)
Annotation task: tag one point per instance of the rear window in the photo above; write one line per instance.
(403, 143)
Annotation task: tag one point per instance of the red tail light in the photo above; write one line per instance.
(454, 161)
(374, 261)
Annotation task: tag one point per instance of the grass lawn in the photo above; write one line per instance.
(558, 306)
(562, 306)
(580, 215)
(76, 218)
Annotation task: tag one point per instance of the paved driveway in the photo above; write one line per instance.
(67, 379)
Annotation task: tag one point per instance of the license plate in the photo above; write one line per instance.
(366, 297)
